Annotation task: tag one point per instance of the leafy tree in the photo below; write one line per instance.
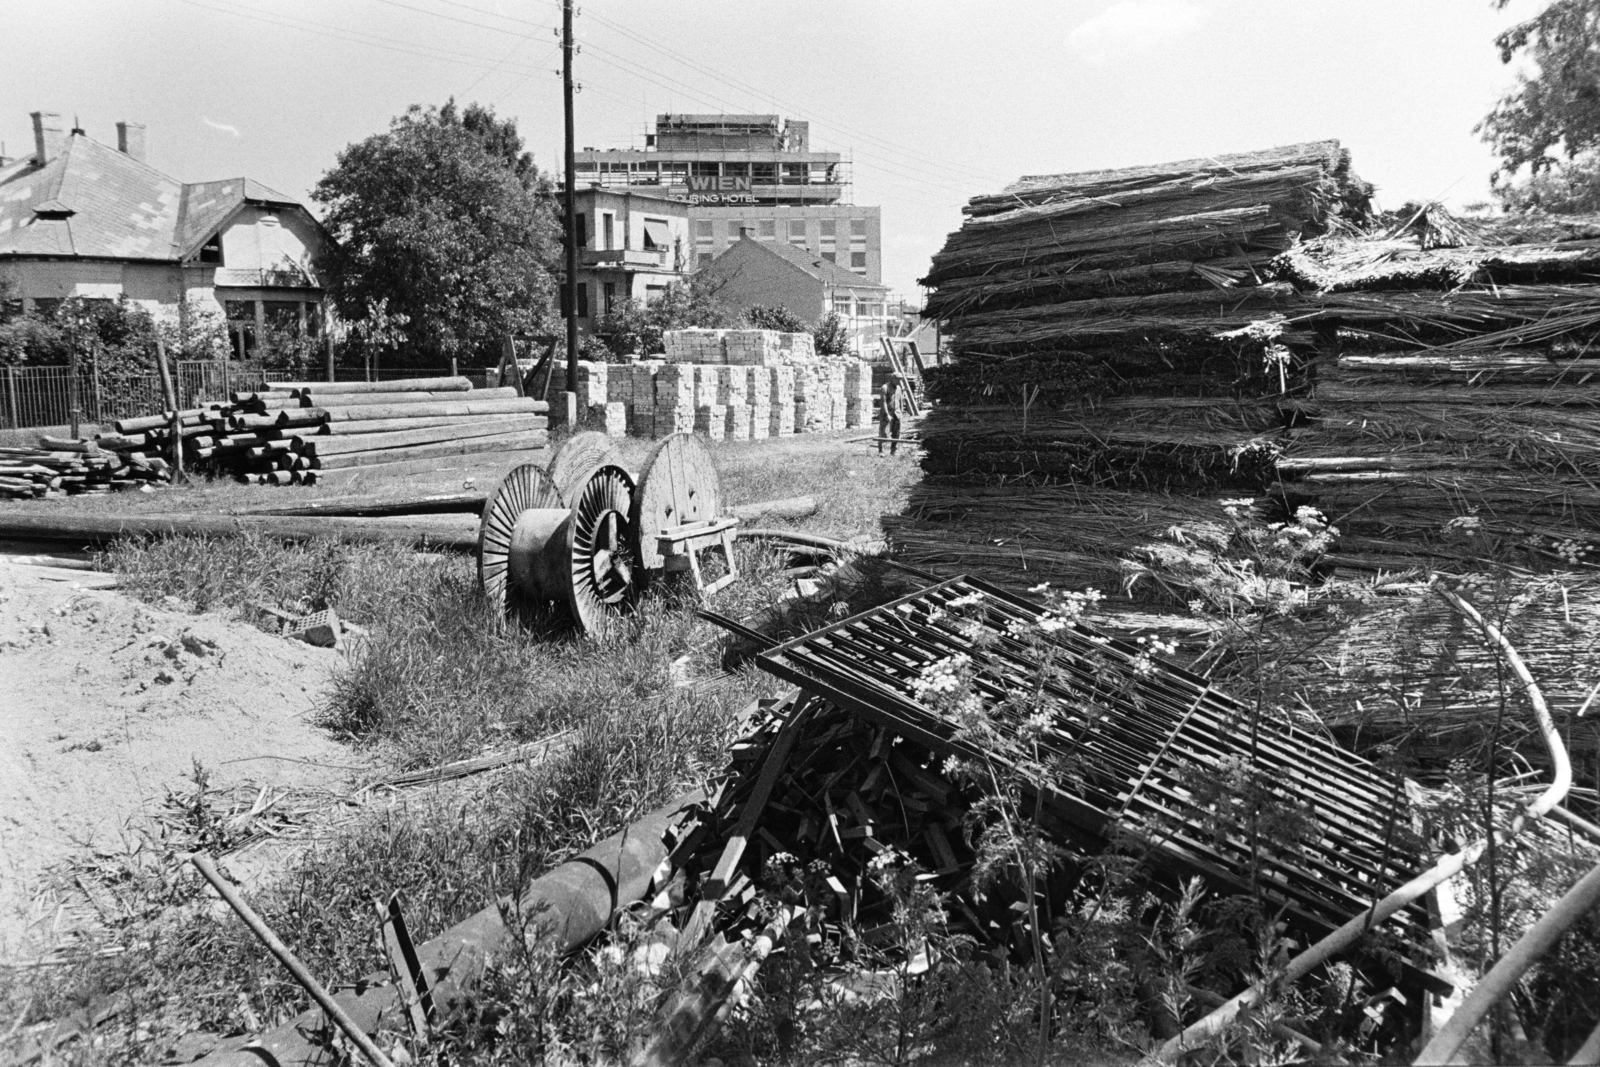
(776, 317)
(1549, 124)
(445, 218)
(831, 337)
(637, 328)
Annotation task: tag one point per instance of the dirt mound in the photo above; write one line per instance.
(105, 704)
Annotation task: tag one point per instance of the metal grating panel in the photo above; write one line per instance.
(1138, 737)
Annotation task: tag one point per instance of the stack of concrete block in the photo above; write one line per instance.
(694, 345)
(758, 389)
(808, 402)
(610, 417)
(733, 386)
(782, 401)
(711, 420)
(796, 348)
(738, 428)
(857, 394)
(675, 407)
(641, 398)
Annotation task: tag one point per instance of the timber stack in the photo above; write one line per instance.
(69, 467)
(294, 433)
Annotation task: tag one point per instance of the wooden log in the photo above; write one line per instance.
(366, 506)
(453, 532)
(122, 440)
(156, 422)
(361, 413)
(65, 444)
(261, 394)
(337, 400)
(386, 425)
(322, 447)
(449, 384)
(509, 442)
(795, 507)
(490, 466)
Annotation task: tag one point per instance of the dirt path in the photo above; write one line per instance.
(106, 703)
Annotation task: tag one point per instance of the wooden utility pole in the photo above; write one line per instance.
(572, 205)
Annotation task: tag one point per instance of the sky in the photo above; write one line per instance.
(933, 101)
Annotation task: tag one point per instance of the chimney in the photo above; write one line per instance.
(130, 139)
(48, 138)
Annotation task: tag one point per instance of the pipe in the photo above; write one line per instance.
(290, 961)
(1504, 976)
(865, 548)
(569, 905)
(1215, 1023)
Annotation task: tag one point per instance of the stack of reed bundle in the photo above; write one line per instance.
(1405, 671)
(294, 433)
(1454, 401)
(67, 467)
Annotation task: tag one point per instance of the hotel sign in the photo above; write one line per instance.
(726, 189)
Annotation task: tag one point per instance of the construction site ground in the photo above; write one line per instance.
(109, 703)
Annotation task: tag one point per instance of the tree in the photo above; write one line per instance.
(832, 337)
(445, 220)
(776, 317)
(1549, 124)
(637, 328)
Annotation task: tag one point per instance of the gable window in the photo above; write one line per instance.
(211, 251)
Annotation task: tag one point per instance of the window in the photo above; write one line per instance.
(735, 229)
(793, 173)
(703, 259)
(239, 310)
(736, 170)
(821, 173)
(211, 251)
(583, 300)
(830, 256)
(829, 228)
(652, 293)
(645, 174)
(797, 232)
(608, 223)
(581, 229)
(858, 230)
(704, 170)
(282, 314)
(704, 229)
(674, 173)
(46, 305)
(657, 234)
(872, 311)
(842, 305)
(764, 172)
(858, 261)
(313, 320)
(611, 297)
(767, 229)
(584, 166)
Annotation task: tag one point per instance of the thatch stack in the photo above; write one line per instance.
(1066, 291)
(296, 433)
(1455, 406)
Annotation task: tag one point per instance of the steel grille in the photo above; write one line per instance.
(1138, 739)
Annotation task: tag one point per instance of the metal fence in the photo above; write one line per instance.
(44, 396)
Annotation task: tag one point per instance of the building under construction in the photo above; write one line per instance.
(754, 172)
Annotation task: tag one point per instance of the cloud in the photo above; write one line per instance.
(1130, 26)
(223, 126)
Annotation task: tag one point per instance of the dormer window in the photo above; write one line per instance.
(211, 251)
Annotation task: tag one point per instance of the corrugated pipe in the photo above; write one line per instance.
(1202, 1031)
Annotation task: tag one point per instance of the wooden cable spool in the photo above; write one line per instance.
(534, 549)
(577, 457)
(678, 485)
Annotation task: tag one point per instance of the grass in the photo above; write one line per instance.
(440, 678)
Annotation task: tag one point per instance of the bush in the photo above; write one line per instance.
(776, 317)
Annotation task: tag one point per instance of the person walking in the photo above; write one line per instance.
(891, 398)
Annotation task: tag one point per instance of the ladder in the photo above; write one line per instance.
(906, 360)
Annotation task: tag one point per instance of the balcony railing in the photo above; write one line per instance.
(623, 257)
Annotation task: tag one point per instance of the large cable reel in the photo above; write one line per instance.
(538, 545)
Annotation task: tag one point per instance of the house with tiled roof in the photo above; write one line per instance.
(771, 273)
(81, 218)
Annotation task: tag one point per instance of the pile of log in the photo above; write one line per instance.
(294, 433)
(63, 467)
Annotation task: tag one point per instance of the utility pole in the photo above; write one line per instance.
(567, 49)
